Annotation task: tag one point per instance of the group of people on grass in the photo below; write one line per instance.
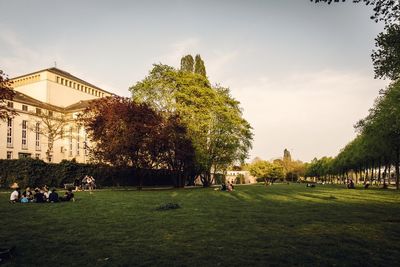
(88, 182)
(38, 195)
(227, 187)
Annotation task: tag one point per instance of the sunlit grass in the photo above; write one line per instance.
(254, 226)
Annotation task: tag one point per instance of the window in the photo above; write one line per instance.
(9, 132)
(70, 141)
(24, 107)
(38, 111)
(58, 79)
(74, 85)
(10, 104)
(50, 113)
(24, 155)
(24, 131)
(50, 142)
(70, 84)
(78, 86)
(9, 154)
(78, 139)
(37, 137)
(62, 81)
(85, 146)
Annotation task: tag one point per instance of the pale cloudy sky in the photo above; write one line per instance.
(302, 71)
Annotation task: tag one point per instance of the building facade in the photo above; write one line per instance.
(45, 100)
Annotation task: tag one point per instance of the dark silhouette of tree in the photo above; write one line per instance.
(123, 132)
(187, 63)
(6, 94)
(387, 11)
(199, 66)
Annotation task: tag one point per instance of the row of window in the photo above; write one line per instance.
(22, 155)
(24, 139)
(79, 86)
(25, 108)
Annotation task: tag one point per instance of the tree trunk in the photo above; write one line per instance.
(397, 168)
(379, 172)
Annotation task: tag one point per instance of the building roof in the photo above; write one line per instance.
(25, 99)
(81, 105)
(66, 75)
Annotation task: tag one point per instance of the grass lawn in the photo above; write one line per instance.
(252, 226)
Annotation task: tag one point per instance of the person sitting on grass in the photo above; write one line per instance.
(28, 193)
(350, 185)
(366, 185)
(229, 187)
(223, 187)
(53, 197)
(14, 197)
(46, 193)
(24, 199)
(39, 196)
(68, 196)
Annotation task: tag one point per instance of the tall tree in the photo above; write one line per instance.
(214, 121)
(6, 94)
(123, 132)
(199, 66)
(187, 63)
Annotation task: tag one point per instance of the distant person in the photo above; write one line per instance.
(14, 197)
(223, 187)
(366, 185)
(68, 196)
(351, 185)
(77, 184)
(229, 187)
(90, 182)
(231, 184)
(84, 183)
(28, 193)
(39, 196)
(24, 199)
(53, 197)
(46, 193)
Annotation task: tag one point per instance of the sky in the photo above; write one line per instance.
(302, 71)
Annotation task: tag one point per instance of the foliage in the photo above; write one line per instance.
(387, 11)
(6, 94)
(199, 66)
(126, 133)
(213, 118)
(30, 172)
(187, 63)
(265, 170)
(386, 59)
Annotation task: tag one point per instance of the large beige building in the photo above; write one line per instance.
(40, 97)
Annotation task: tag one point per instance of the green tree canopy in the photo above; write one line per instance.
(6, 94)
(219, 133)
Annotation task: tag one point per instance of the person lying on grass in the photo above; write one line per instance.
(68, 196)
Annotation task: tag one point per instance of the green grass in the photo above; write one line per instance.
(252, 226)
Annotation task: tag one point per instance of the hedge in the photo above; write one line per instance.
(37, 173)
